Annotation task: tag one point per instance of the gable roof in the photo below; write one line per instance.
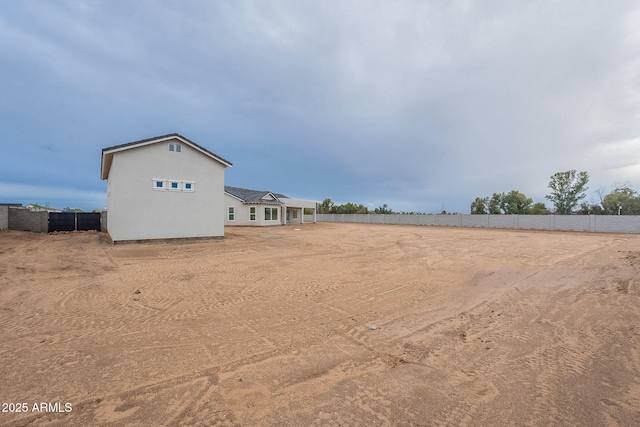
(280, 196)
(107, 153)
(254, 196)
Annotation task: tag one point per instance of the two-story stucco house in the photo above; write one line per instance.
(162, 188)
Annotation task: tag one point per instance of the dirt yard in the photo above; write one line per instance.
(329, 324)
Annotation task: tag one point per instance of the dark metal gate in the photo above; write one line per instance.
(88, 221)
(74, 221)
(62, 221)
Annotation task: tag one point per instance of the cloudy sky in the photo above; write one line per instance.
(417, 104)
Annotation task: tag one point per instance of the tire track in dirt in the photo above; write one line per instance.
(164, 402)
(473, 337)
(571, 359)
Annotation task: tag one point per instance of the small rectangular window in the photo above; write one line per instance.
(178, 148)
(174, 185)
(171, 147)
(159, 184)
(232, 213)
(189, 186)
(252, 213)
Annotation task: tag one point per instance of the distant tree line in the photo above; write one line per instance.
(513, 202)
(328, 207)
(47, 207)
(567, 191)
(622, 200)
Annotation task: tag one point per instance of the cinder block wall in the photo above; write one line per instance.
(427, 219)
(536, 222)
(573, 222)
(617, 223)
(4, 217)
(25, 220)
(593, 223)
(103, 221)
(475, 221)
(503, 221)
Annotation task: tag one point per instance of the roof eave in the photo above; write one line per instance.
(234, 196)
(109, 151)
(105, 166)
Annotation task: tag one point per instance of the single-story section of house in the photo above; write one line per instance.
(164, 187)
(263, 208)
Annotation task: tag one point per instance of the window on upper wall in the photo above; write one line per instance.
(231, 213)
(174, 185)
(175, 147)
(252, 213)
(158, 184)
(189, 186)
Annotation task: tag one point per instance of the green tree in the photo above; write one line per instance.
(479, 206)
(623, 200)
(539, 209)
(352, 208)
(567, 189)
(587, 208)
(495, 204)
(326, 207)
(384, 209)
(514, 202)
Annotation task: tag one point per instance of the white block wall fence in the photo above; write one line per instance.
(591, 223)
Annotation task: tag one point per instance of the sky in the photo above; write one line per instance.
(421, 105)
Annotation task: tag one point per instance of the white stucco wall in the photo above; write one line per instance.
(136, 211)
(242, 213)
(299, 205)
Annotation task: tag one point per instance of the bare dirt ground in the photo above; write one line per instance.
(269, 327)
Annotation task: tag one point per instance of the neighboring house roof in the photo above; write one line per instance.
(107, 153)
(254, 196)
